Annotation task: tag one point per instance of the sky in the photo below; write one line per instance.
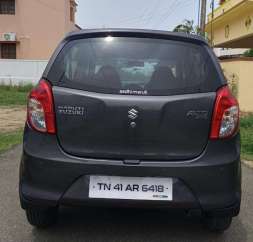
(144, 14)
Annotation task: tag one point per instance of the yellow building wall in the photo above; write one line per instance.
(232, 24)
(235, 27)
(239, 72)
(228, 5)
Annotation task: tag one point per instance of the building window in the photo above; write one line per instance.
(72, 10)
(7, 6)
(227, 31)
(72, 14)
(8, 51)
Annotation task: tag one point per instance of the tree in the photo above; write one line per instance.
(248, 53)
(187, 27)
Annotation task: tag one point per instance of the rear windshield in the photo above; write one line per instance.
(134, 66)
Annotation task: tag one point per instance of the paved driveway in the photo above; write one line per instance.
(114, 224)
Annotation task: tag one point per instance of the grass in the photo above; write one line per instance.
(8, 140)
(11, 96)
(247, 137)
(14, 95)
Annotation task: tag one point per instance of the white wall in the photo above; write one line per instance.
(17, 72)
(228, 52)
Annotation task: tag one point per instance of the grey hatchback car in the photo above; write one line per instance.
(134, 118)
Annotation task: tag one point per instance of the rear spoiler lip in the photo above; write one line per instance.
(141, 33)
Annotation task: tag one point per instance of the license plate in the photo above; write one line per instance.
(134, 188)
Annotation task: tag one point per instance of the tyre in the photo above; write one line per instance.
(218, 224)
(42, 218)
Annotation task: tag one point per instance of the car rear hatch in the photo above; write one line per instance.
(134, 98)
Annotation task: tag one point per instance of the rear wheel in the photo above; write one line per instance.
(42, 218)
(218, 224)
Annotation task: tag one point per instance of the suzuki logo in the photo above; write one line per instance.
(133, 114)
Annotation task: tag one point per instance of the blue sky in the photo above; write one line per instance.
(147, 14)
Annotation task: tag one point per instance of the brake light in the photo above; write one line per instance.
(225, 121)
(40, 108)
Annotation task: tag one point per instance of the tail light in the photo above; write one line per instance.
(225, 121)
(40, 108)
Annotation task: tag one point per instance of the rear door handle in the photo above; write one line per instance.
(132, 162)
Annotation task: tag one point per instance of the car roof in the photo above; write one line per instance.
(89, 33)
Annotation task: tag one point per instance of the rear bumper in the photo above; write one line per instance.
(209, 184)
